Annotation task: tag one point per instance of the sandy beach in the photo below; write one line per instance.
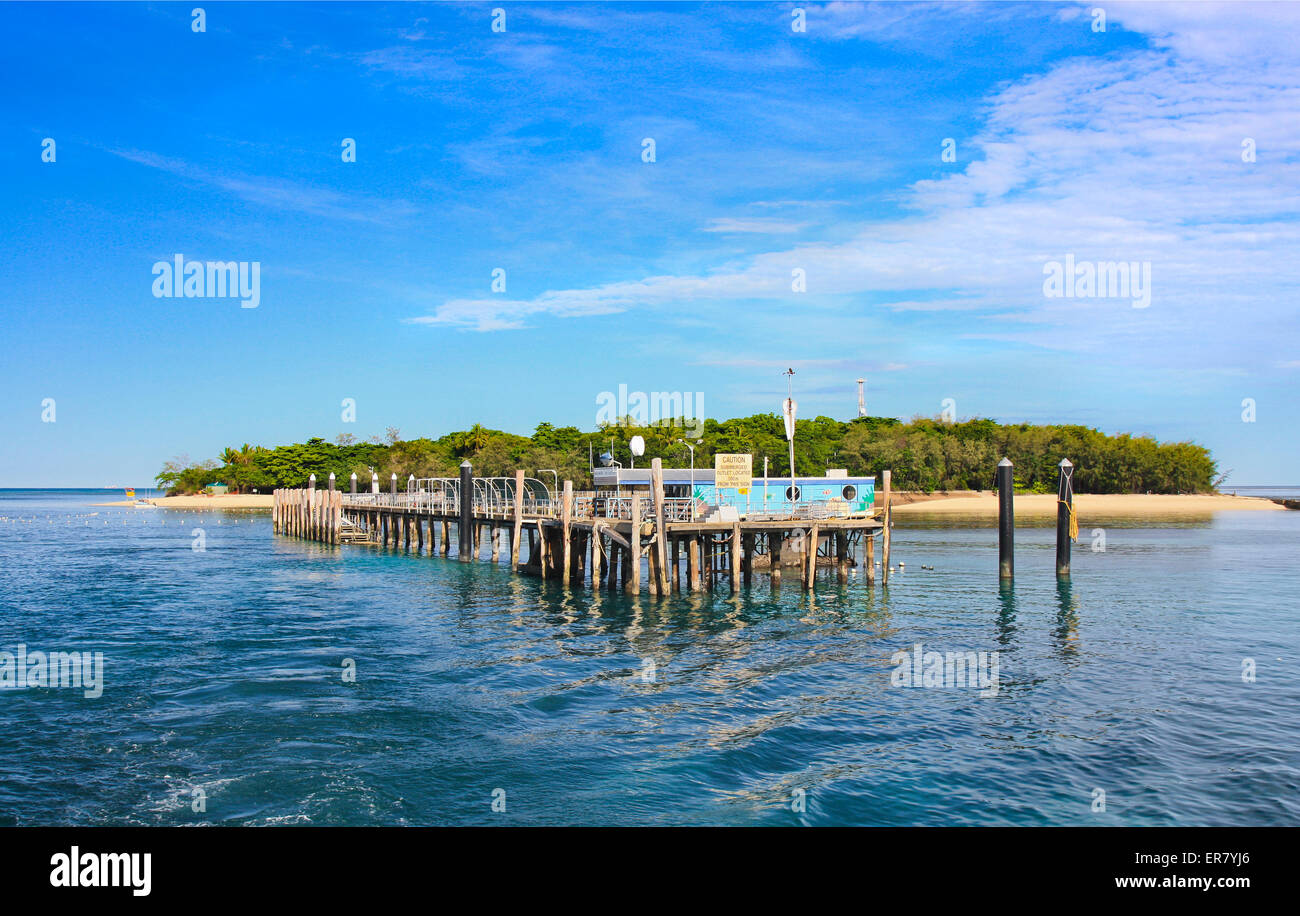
(976, 503)
(1117, 505)
(229, 501)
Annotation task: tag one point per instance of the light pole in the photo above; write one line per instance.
(692, 448)
(789, 429)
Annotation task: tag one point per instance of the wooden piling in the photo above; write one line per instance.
(810, 560)
(633, 583)
(869, 559)
(661, 524)
(518, 519)
(885, 535)
(566, 521)
(735, 557)
(775, 541)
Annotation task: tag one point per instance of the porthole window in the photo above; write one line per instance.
(850, 492)
(796, 493)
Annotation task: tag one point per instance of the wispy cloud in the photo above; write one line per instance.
(278, 193)
(755, 226)
(1133, 155)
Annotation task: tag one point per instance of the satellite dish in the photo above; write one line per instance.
(637, 445)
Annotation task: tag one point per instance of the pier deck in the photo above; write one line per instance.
(603, 540)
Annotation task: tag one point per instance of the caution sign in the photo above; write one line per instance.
(733, 472)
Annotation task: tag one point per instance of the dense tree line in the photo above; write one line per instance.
(924, 454)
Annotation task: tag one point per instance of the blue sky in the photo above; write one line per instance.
(775, 151)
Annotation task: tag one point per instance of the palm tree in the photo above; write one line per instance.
(473, 439)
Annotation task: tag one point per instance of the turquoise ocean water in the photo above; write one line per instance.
(223, 683)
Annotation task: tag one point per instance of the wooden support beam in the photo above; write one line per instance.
(632, 585)
(775, 541)
(518, 519)
(735, 557)
(884, 559)
(652, 565)
(693, 562)
(810, 559)
(661, 523)
(841, 557)
(747, 563)
(566, 533)
(578, 559)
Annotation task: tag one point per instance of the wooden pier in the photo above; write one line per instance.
(600, 540)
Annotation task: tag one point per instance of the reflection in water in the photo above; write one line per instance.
(1067, 619)
(470, 678)
(1006, 611)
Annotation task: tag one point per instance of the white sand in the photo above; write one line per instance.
(1118, 505)
(229, 501)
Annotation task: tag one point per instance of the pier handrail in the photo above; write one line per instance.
(492, 498)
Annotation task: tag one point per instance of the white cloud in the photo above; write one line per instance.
(1135, 155)
(757, 226)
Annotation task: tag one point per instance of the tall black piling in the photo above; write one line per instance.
(465, 532)
(1064, 510)
(1006, 519)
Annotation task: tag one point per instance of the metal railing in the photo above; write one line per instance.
(440, 496)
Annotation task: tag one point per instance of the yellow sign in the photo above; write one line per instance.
(732, 472)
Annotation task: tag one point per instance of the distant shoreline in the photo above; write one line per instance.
(984, 503)
(228, 501)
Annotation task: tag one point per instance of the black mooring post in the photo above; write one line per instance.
(1064, 506)
(1006, 519)
(465, 534)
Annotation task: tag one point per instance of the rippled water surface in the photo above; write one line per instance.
(223, 673)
